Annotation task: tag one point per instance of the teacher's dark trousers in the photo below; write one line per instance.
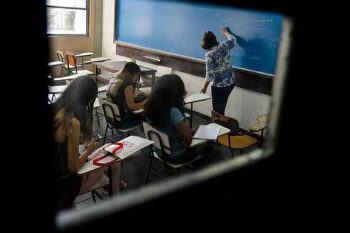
(219, 97)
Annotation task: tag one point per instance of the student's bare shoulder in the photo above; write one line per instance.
(59, 115)
(75, 123)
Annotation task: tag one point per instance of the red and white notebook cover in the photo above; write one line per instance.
(109, 158)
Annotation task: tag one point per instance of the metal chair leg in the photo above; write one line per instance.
(149, 170)
(104, 138)
(211, 150)
(93, 196)
(110, 187)
(98, 120)
(150, 163)
(262, 138)
(229, 145)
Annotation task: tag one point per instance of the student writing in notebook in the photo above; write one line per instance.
(121, 91)
(165, 111)
(72, 125)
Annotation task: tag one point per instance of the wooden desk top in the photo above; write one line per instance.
(84, 54)
(73, 76)
(99, 59)
(55, 63)
(196, 98)
(115, 66)
(57, 89)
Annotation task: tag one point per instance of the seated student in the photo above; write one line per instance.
(121, 91)
(72, 125)
(165, 111)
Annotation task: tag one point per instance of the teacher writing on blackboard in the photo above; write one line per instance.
(218, 68)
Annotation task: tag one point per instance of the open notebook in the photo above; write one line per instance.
(208, 132)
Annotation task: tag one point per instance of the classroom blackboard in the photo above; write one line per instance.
(177, 27)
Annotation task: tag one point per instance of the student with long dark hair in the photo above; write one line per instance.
(219, 69)
(121, 91)
(72, 125)
(165, 111)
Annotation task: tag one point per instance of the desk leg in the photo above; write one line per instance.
(97, 118)
(96, 73)
(191, 115)
(262, 138)
(153, 79)
(110, 188)
(50, 72)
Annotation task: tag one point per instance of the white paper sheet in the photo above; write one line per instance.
(209, 132)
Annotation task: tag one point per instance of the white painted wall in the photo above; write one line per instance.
(243, 105)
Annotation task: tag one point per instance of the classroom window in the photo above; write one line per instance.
(67, 17)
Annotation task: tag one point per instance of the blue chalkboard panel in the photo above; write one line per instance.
(177, 27)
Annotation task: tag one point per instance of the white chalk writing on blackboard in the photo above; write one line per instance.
(263, 19)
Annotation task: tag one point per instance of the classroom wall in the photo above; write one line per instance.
(244, 105)
(79, 44)
(98, 28)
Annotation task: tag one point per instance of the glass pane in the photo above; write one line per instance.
(67, 3)
(66, 21)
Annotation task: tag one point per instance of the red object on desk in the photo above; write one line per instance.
(119, 146)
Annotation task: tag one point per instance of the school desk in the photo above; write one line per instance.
(131, 145)
(57, 89)
(82, 55)
(115, 66)
(52, 64)
(96, 60)
(73, 76)
(99, 59)
(193, 99)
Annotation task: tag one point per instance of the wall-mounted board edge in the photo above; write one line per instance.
(247, 79)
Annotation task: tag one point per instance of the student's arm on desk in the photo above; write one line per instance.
(129, 98)
(74, 161)
(98, 152)
(184, 132)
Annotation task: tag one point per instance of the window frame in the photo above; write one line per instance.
(87, 9)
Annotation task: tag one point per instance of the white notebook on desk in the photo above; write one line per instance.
(208, 132)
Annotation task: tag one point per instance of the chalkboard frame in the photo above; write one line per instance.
(246, 79)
